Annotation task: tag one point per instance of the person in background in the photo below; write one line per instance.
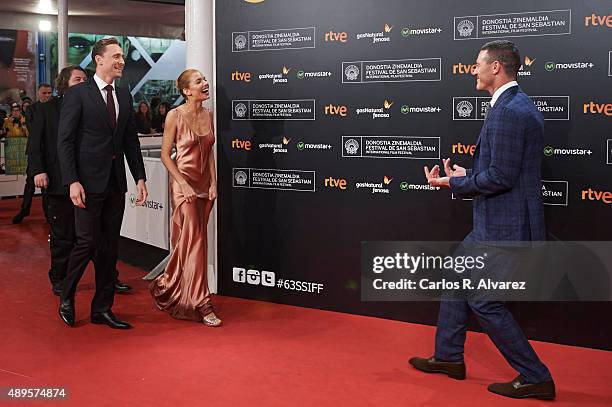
(44, 95)
(14, 124)
(155, 101)
(158, 121)
(26, 103)
(44, 168)
(142, 118)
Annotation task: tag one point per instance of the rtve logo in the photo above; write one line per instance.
(333, 183)
(254, 277)
(332, 36)
(238, 144)
(592, 195)
(333, 110)
(241, 76)
(598, 21)
(464, 148)
(597, 108)
(461, 69)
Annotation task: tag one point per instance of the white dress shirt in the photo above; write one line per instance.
(101, 85)
(501, 90)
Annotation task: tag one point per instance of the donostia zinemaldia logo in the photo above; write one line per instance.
(351, 146)
(465, 28)
(549, 66)
(464, 108)
(240, 177)
(240, 110)
(132, 200)
(351, 72)
(240, 41)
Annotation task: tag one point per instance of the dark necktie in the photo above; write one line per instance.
(110, 105)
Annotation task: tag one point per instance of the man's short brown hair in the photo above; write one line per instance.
(506, 53)
(100, 46)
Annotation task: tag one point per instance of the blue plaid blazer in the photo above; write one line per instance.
(505, 180)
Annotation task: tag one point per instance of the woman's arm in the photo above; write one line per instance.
(166, 150)
(212, 191)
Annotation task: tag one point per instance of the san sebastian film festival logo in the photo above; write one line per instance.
(464, 108)
(241, 178)
(352, 147)
(240, 41)
(465, 28)
(352, 73)
(241, 110)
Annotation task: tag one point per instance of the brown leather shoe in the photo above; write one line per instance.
(518, 389)
(454, 370)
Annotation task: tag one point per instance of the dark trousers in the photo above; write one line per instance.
(498, 323)
(28, 194)
(97, 229)
(59, 211)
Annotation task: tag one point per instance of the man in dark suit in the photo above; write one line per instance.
(96, 131)
(44, 96)
(44, 169)
(505, 183)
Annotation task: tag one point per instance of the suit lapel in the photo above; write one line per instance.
(96, 97)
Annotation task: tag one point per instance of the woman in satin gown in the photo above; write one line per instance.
(182, 290)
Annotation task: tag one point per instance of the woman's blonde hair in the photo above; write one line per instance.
(183, 80)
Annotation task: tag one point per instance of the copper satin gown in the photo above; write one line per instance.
(182, 290)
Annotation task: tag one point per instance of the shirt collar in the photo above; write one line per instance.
(101, 84)
(501, 90)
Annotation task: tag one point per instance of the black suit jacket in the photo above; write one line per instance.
(42, 144)
(89, 150)
(29, 119)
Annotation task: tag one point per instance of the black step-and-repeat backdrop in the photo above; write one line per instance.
(328, 111)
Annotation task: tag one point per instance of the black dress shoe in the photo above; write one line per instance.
(454, 370)
(108, 318)
(19, 217)
(122, 288)
(66, 312)
(518, 389)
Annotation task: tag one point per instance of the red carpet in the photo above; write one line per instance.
(265, 355)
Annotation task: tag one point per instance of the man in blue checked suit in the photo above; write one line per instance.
(505, 184)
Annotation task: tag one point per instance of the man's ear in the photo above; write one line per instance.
(496, 67)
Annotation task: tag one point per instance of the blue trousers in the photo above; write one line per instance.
(498, 323)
